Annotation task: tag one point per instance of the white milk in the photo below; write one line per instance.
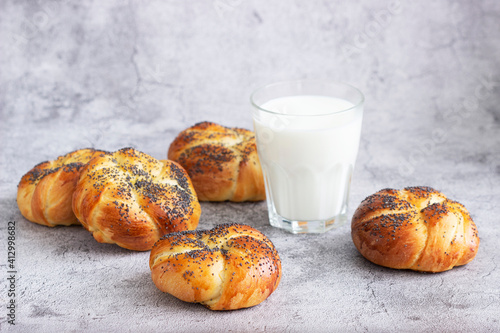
(308, 159)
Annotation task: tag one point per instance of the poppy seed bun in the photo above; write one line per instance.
(131, 199)
(221, 161)
(416, 228)
(230, 267)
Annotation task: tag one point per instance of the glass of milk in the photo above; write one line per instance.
(307, 136)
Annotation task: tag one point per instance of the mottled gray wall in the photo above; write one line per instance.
(113, 73)
(110, 74)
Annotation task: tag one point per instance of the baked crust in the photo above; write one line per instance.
(221, 161)
(131, 199)
(416, 228)
(44, 193)
(230, 267)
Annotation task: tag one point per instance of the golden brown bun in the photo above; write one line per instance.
(44, 194)
(230, 267)
(415, 228)
(131, 199)
(222, 162)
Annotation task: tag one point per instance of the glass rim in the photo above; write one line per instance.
(355, 106)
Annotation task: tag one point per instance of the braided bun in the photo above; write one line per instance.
(222, 162)
(44, 194)
(415, 228)
(131, 199)
(230, 267)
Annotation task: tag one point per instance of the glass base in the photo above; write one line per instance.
(303, 227)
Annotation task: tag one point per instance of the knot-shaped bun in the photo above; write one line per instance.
(131, 199)
(221, 161)
(230, 267)
(415, 228)
(44, 194)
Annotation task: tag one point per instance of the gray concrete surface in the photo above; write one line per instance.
(111, 74)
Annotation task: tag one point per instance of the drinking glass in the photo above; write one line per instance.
(307, 134)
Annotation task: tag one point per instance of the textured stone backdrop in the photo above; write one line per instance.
(110, 74)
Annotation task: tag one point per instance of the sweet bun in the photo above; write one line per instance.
(131, 199)
(416, 228)
(221, 161)
(230, 267)
(44, 194)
